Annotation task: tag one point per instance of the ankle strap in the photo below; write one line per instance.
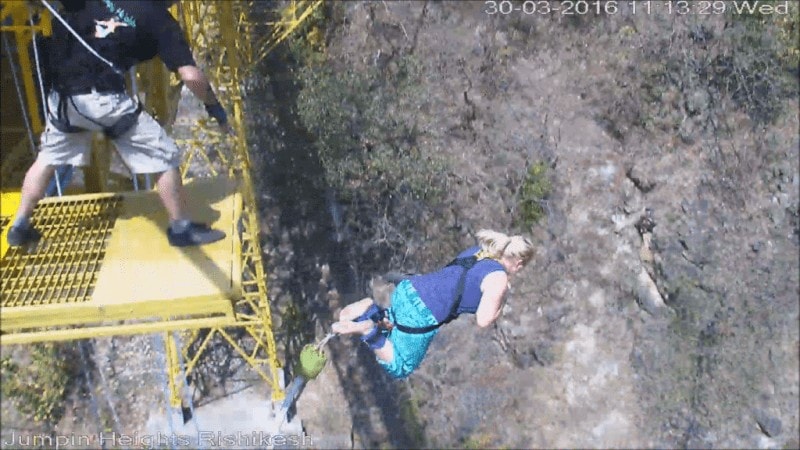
(375, 339)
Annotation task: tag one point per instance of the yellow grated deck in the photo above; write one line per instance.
(105, 257)
(62, 268)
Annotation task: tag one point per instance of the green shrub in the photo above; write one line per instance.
(686, 72)
(362, 137)
(532, 194)
(410, 417)
(783, 28)
(38, 387)
(366, 128)
(754, 63)
(307, 43)
(479, 441)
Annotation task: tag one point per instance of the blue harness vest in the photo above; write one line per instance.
(466, 263)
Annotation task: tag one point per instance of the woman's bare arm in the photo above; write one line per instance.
(493, 287)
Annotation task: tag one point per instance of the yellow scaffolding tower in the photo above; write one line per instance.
(103, 267)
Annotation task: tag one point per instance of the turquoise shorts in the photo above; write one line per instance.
(407, 308)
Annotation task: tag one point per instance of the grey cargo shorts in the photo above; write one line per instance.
(145, 148)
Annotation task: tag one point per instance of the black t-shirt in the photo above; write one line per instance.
(125, 32)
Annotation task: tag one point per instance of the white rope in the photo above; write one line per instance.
(135, 92)
(19, 94)
(38, 64)
(58, 182)
(134, 86)
(45, 106)
(77, 36)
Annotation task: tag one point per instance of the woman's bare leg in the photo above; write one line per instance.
(385, 353)
(354, 310)
(347, 326)
(350, 327)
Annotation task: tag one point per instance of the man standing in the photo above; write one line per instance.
(87, 94)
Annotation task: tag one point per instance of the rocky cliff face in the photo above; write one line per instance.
(662, 307)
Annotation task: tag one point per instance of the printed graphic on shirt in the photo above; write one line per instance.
(121, 13)
(103, 28)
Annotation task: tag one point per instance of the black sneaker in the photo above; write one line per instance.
(195, 234)
(20, 236)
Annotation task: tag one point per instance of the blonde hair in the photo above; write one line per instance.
(497, 245)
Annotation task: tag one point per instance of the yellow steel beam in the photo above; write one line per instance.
(23, 31)
(26, 317)
(9, 203)
(97, 173)
(191, 361)
(273, 379)
(173, 369)
(123, 329)
(284, 28)
(23, 38)
(222, 22)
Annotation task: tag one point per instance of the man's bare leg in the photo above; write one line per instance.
(182, 232)
(33, 187)
(171, 191)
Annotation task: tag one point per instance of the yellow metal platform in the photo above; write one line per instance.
(105, 257)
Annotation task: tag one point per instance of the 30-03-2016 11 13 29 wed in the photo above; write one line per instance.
(634, 7)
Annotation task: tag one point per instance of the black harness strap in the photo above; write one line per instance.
(124, 123)
(61, 121)
(466, 263)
